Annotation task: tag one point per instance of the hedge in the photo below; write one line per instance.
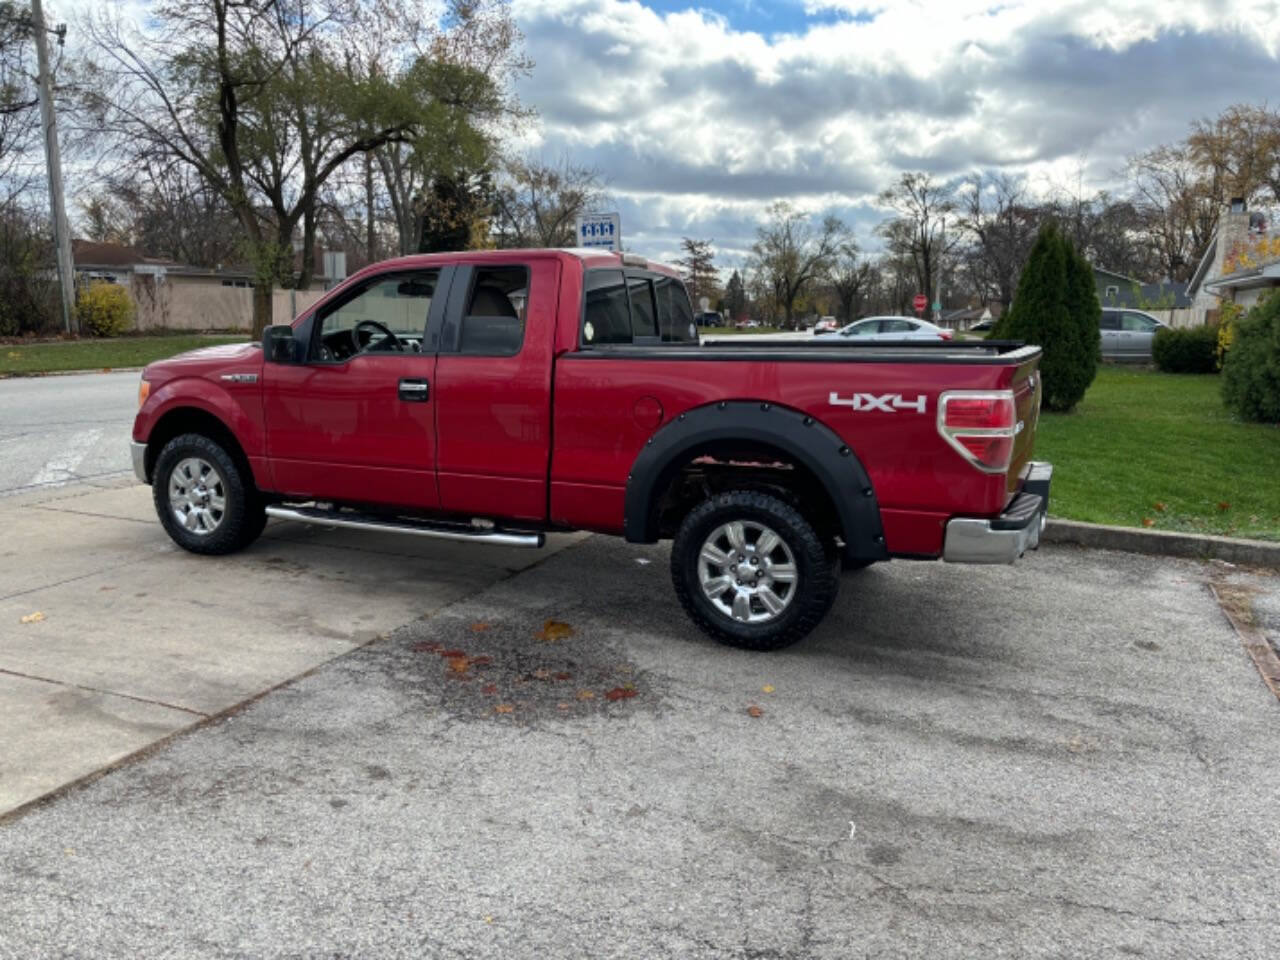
(1251, 368)
(1191, 350)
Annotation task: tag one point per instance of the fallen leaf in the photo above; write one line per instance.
(554, 630)
(621, 693)
(488, 919)
(458, 664)
(481, 661)
(1159, 505)
(586, 695)
(767, 688)
(1148, 521)
(450, 654)
(564, 676)
(33, 617)
(489, 689)
(542, 673)
(504, 708)
(754, 711)
(563, 705)
(1224, 505)
(479, 627)
(425, 648)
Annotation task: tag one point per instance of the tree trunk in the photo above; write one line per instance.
(261, 306)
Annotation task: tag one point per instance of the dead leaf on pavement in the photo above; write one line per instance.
(586, 695)
(564, 676)
(33, 617)
(479, 626)
(754, 711)
(542, 673)
(450, 654)
(425, 648)
(554, 630)
(767, 688)
(504, 708)
(489, 689)
(458, 664)
(621, 693)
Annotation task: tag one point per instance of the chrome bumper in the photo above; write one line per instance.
(1007, 537)
(139, 451)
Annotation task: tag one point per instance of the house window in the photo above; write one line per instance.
(1112, 293)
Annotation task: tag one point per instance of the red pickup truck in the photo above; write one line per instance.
(494, 396)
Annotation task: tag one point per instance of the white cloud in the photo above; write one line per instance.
(699, 124)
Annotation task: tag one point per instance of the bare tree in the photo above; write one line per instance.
(537, 202)
(790, 253)
(850, 278)
(1002, 225)
(918, 231)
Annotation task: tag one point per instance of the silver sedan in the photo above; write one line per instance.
(888, 328)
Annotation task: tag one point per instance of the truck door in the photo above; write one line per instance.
(492, 388)
(355, 420)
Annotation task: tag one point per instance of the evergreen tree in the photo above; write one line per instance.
(735, 296)
(1056, 308)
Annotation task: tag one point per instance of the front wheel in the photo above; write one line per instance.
(204, 502)
(751, 571)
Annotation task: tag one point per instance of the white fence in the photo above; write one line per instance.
(1183, 317)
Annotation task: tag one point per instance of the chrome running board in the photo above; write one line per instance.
(418, 528)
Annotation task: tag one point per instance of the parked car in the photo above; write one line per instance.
(890, 328)
(1128, 334)
(711, 318)
(490, 397)
(826, 325)
(984, 326)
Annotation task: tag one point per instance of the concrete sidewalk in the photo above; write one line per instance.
(129, 639)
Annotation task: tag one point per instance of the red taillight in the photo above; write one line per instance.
(980, 425)
(945, 334)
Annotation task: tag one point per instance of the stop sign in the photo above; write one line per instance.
(920, 301)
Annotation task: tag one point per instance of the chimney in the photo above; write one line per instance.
(1233, 233)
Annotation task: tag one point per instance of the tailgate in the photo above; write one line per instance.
(1026, 398)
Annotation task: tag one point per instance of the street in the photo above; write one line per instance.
(56, 429)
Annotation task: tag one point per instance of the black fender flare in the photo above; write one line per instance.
(811, 443)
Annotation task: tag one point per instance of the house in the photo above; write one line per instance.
(175, 296)
(1118, 290)
(966, 317)
(1241, 263)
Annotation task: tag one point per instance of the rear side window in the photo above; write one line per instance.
(1110, 320)
(675, 313)
(606, 317)
(635, 307)
(494, 322)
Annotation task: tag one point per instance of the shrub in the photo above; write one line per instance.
(105, 309)
(1251, 369)
(1056, 307)
(1193, 350)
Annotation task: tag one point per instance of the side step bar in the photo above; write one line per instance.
(440, 531)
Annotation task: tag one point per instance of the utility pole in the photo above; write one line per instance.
(937, 280)
(53, 163)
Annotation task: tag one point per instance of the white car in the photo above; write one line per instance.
(888, 328)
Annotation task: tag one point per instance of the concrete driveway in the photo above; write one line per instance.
(1073, 757)
(128, 639)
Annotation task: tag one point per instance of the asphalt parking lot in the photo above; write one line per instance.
(1072, 757)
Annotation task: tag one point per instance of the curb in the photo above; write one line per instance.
(1193, 546)
(30, 374)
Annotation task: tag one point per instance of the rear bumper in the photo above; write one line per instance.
(139, 452)
(1007, 537)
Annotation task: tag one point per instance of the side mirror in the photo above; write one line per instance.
(278, 345)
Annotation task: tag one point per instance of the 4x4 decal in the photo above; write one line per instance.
(884, 402)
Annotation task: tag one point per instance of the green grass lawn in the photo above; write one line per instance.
(101, 354)
(1160, 450)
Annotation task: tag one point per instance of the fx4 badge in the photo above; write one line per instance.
(885, 402)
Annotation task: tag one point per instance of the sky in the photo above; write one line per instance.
(699, 116)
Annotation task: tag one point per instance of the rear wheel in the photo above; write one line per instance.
(751, 571)
(204, 502)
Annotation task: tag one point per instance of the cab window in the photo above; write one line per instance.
(388, 315)
(493, 325)
(638, 307)
(1137, 323)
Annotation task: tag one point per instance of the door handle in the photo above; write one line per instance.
(414, 390)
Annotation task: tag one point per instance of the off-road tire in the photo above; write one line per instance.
(244, 517)
(818, 570)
